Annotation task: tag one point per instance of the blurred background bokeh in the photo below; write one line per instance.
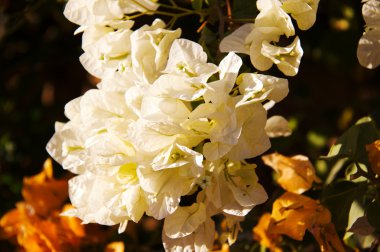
(40, 72)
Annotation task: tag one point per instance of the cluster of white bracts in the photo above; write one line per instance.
(259, 40)
(162, 124)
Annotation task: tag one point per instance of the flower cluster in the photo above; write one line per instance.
(162, 124)
(260, 40)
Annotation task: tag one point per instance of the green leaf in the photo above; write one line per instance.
(197, 4)
(373, 214)
(356, 175)
(352, 143)
(335, 170)
(338, 197)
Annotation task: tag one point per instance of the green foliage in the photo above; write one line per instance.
(338, 197)
(352, 143)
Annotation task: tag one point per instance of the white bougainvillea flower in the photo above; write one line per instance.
(234, 187)
(249, 39)
(67, 147)
(259, 87)
(256, 40)
(369, 44)
(223, 130)
(272, 15)
(185, 220)
(110, 53)
(258, 43)
(303, 11)
(178, 87)
(253, 140)
(277, 126)
(93, 33)
(187, 58)
(218, 91)
(179, 156)
(86, 12)
(236, 41)
(189, 229)
(107, 200)
(150, 49)
(156, 109)
(286, 58)
(173, 173)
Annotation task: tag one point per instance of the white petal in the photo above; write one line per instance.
(235, 42)
(277, 126)
(369, 49)
(185, 220)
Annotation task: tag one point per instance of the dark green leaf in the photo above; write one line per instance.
(352, 143)
(338, 197)
(373, 214)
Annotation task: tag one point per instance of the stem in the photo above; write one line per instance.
(174, 7)
(173, 3)
(135, 16)
(164, 13)
(243, 20)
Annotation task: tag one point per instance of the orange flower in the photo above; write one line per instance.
(373, 150)
(43, 193)
(36, 224)
(115, 247)
(293, 214)
(327, 238)
(296, 174)
(34, 233)
(262, 234)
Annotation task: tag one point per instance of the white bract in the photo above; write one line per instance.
(260, 40)
(163, 123)
(87, 12)
(369, 44)
(303, 11)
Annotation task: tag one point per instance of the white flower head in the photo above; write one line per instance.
(259, 87)
(234, 188)
(303, 11)
(272, 15)
(286, 58)
(189, 229)
(187, 58)
(105, 200)
(150, 49)
(87, 12)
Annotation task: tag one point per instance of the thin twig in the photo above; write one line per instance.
(202, 26)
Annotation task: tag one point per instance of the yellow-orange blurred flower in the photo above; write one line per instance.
(44, 193)
(296, 174)
(373, 150)
(37, 225)
(327, 238)
(262, 234)
(293, 214)
(115, 247)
